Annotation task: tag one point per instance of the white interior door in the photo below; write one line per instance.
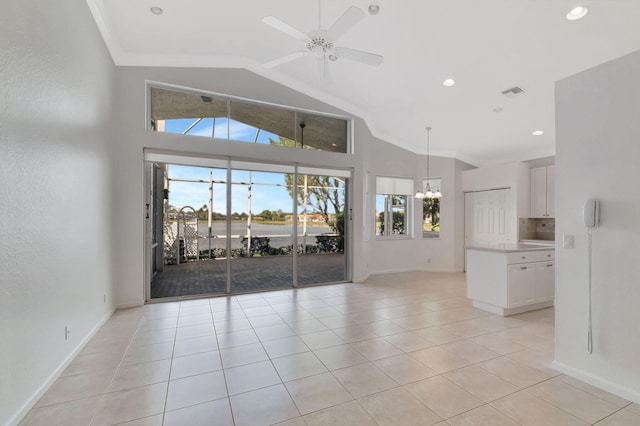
(487, 216)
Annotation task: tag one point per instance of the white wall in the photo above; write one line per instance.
(597, 153)
(55, 175)
(441, 254)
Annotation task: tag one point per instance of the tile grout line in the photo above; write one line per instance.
(103, 395)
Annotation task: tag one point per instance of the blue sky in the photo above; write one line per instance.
(197, 194)
(224, 129)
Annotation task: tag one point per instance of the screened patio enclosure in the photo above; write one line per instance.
(225, 227)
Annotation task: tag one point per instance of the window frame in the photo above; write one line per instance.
(431, 235)
(394, 187)
(150, 84)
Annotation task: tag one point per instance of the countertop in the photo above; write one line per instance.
(549, 243)
(508, 247)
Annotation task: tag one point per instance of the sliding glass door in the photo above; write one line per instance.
(189, 231)
(224, 226)
(321, 229)
(261, 228)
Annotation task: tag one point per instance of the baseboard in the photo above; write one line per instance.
(413, 269)
(129, 305)
(505, 312)
(35, 397)
(597, 381)
(361, 279)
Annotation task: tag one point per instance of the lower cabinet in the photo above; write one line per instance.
(545, 281)
(521, 281)
(531, 282)
(510, 282)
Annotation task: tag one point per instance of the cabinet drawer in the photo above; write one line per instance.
(543, 256)
(521, 257)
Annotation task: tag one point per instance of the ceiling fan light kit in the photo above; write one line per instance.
(321, 42)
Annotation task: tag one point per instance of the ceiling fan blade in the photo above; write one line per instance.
(285, 28)
(284, 59)
(352, 16)
(359, 55)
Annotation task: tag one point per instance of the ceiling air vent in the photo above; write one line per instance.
(513, 92)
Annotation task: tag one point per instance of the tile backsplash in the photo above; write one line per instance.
(537, 229)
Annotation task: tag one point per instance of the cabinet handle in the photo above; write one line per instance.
(523, 267)
(524, 257)
(548, 255)
(549, 265)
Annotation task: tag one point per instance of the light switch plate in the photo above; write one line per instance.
(567, 241)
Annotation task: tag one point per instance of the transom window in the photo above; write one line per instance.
(225, 117)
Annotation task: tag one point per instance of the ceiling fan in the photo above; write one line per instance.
(320, 42)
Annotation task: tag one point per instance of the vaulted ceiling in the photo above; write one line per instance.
(486, 46)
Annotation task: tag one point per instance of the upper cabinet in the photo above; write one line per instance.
(543, 183)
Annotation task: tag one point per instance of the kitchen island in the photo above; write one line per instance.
(508, 279)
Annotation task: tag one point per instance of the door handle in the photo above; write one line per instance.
(148, 206)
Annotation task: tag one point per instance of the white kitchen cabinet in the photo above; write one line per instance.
(545, 281)
(543, 192)
(521, 281)
(510, 281)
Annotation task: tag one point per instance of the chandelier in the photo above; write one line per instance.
(426, 190)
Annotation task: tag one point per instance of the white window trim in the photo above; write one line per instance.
(396, 186)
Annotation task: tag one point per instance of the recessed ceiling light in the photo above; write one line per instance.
(537, 133)
(576, 13)
(156, 10)
(374, 9)
(333, 57)
(498, 109)
(449, 82)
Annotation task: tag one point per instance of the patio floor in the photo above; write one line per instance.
(248, 274)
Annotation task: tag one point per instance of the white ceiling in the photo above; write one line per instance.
(487, 46)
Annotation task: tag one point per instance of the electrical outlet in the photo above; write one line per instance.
(66, 332)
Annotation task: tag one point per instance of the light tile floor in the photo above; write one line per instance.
(399, 349)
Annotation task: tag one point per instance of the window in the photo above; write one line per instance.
(225, 117)
(431, 210)
(392, 206)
